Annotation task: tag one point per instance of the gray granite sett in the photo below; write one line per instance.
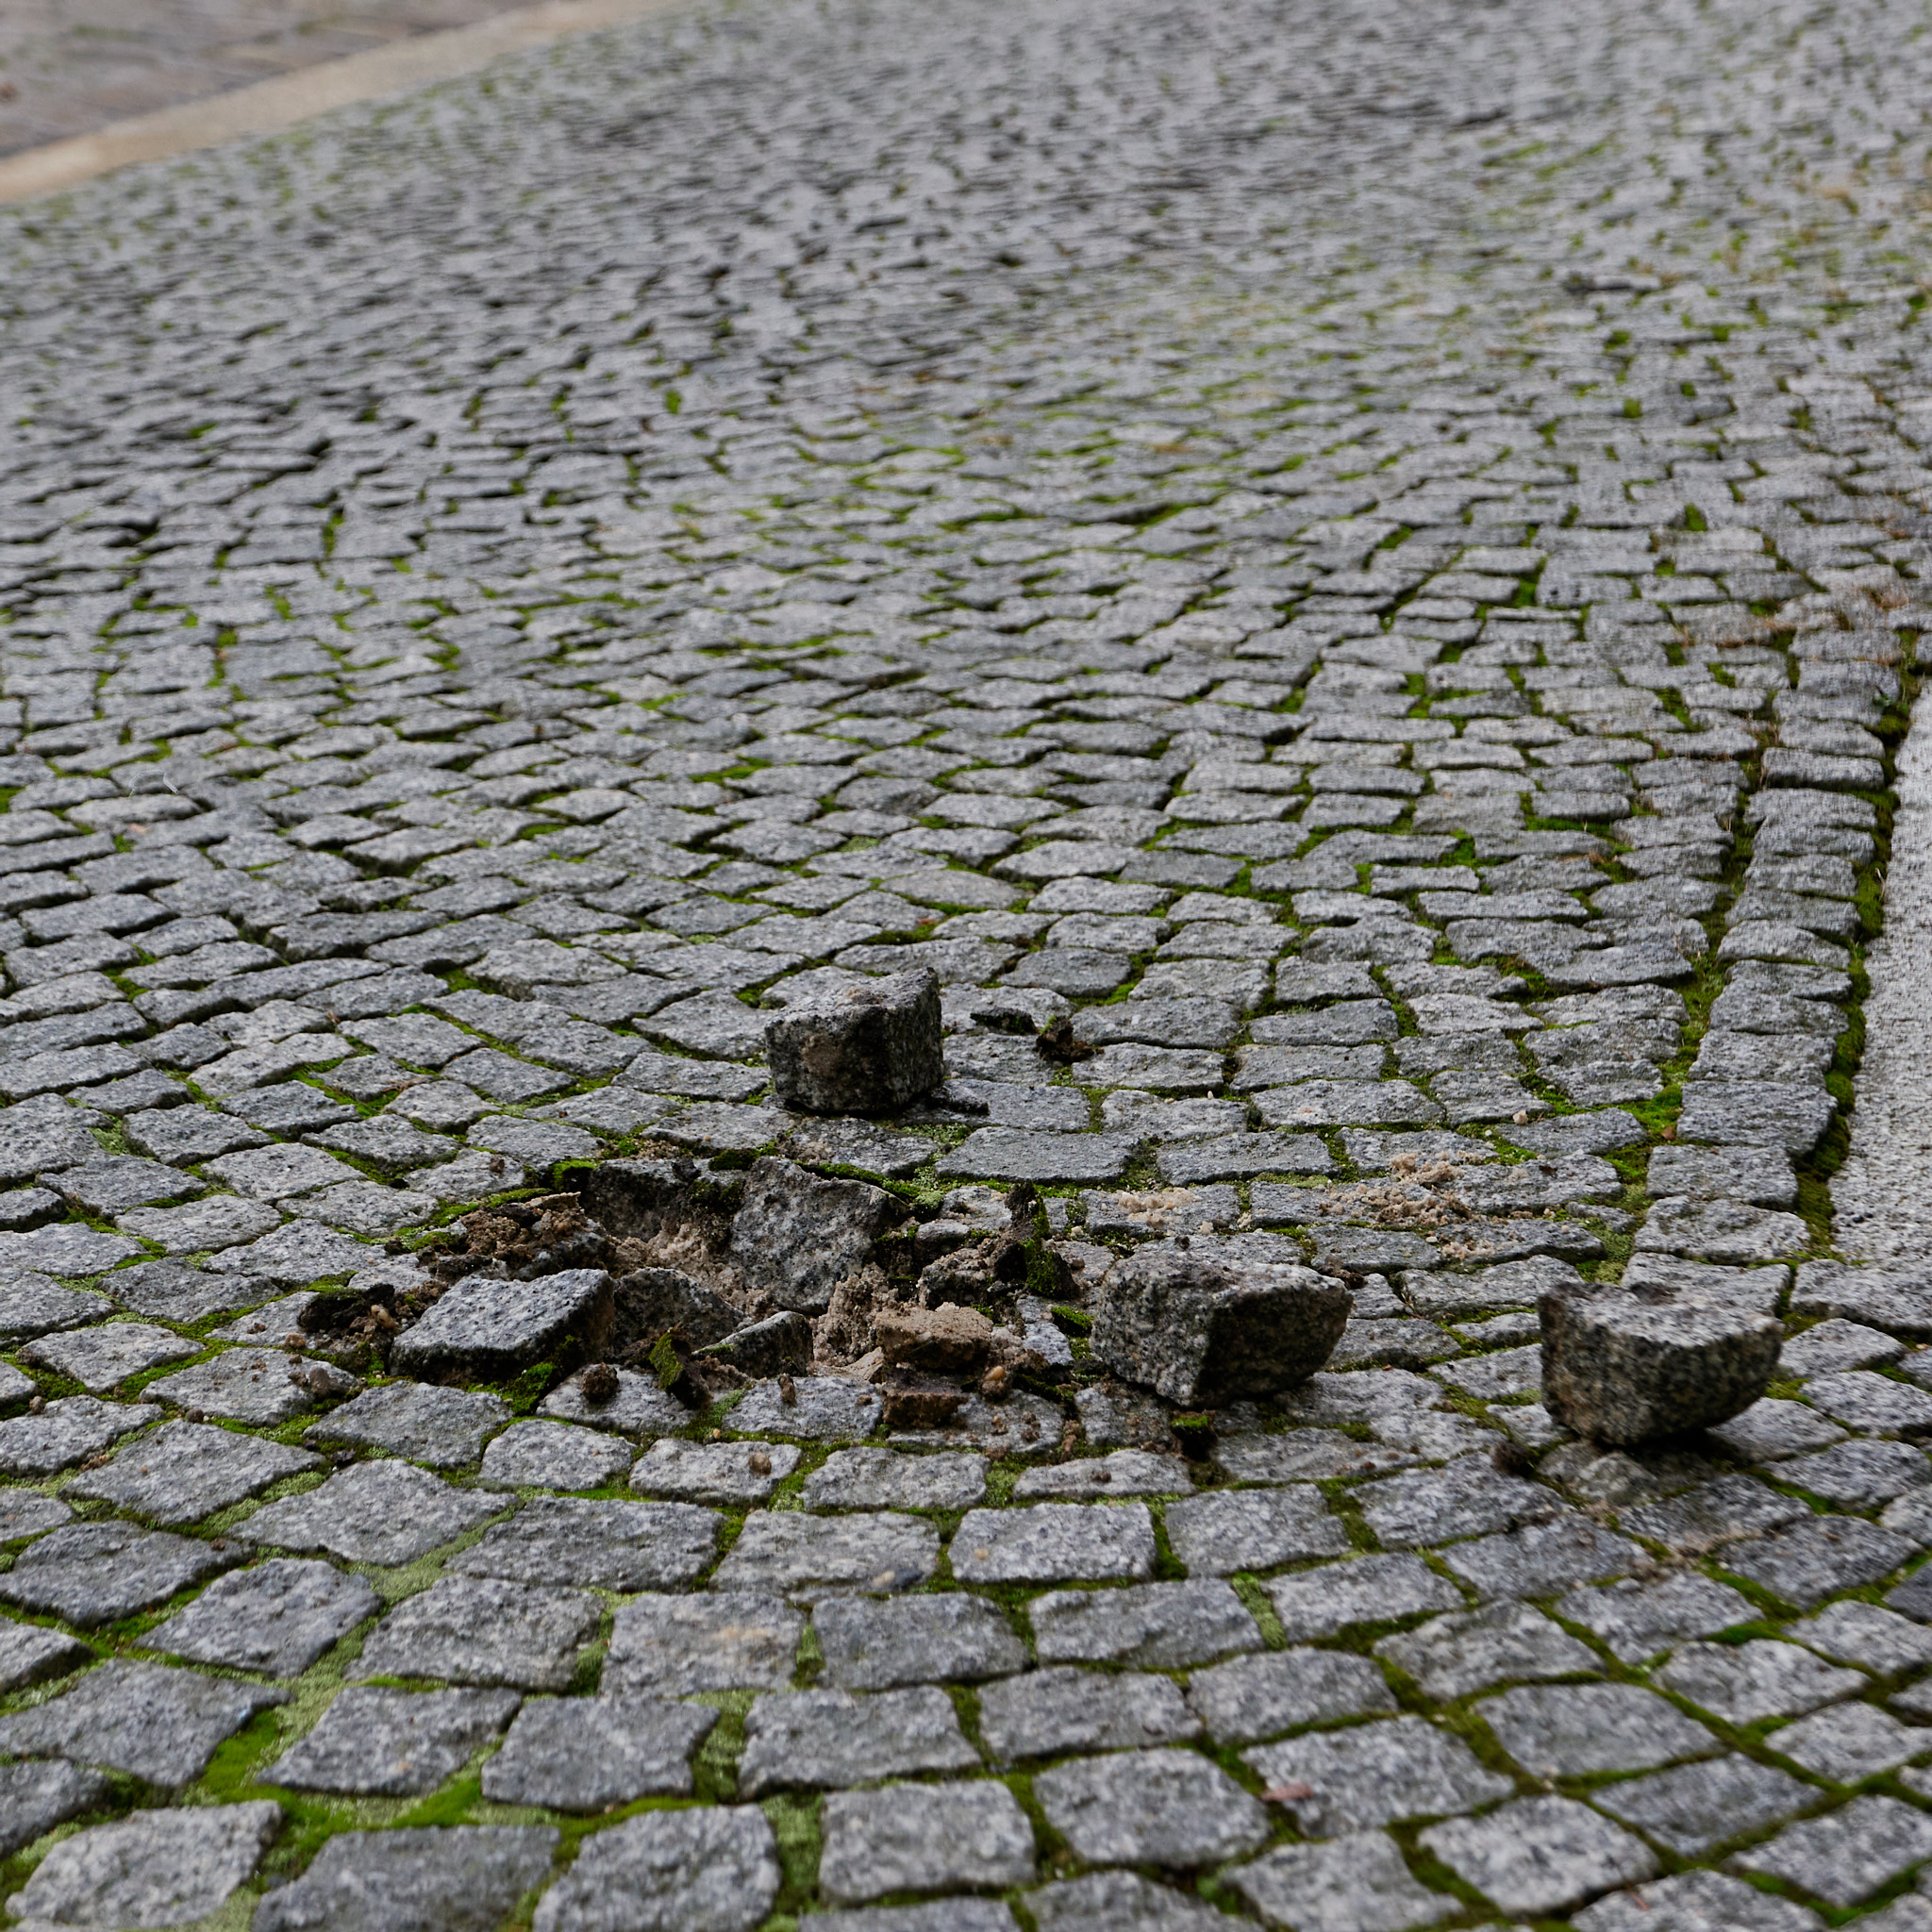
(1119, 1902)
(217, 1220)
(1773, 1429)
(1726, 1511)
(890, 1480)
(1374, 1774)
(1470, 1497)
(1846, 1856)
(115, 1182)
(270, 1321)
(485, 1630)
(1847, 1743)
(34, 1305)
(171, 1291)
(1450, 1657)
(1066, 1708)
(27, 1512)
(1744, 1683)
(35, 1797)
(158, 1725)
(1055, 1543)
(639, 1409)
(668, 1646)
(923, 1838)
(436, 1878)
(1167, 1807)
(275, 1618)
(100, 1356)
(1871, 1403)
(98, 1572)
(587, 1753)
(1305, 1455)
(377, 1742)
(1636, 1619)
(186, 1471)
(827, 1740)
(805, 1556)
(68, 1430)
(155, 1868)
(551, 1456)
(1496, 1377)
(1368, 1589)
(1217, 1534)
(1357, 1881)
(374, 1512)
(485, 1326)
(1543, 1558)
(30, 1654)
(1811, 1561)
(1692, 1902)
(722, 1473)
(1566, 1730)
(1124, 1473)
(878, 1646)
(1149, 1625)
(823, 1409)
(243, 1385)
(71, 1248)
(1859, 1475)
(1540, 1855)
(694, 1870)
(1256, 1697)
(443, 1427)
(1832, 1346)
(1693, 1808)
(1866, 1634)
(600, 1545)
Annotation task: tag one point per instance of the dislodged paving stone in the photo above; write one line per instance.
(726, 1640)
(828, 1739)
(1358, 1880)
(277, 1618)
(1540, 1855)
(923, 1838)
(710, 1868)
(155, 1868)
(376, 1512)
(869, 1645)
(375, 1743)
(492, 1327)
(156, 1723)
(1694, 1808)
(485, 1630)
(587, 1753)
(1375, 1774)
(465, 1879)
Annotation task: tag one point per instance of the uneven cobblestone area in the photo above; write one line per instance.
(1366, 557)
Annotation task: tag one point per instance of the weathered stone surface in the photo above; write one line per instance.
(492, 1327)
(157, 1868)
(1151, 1807)
(450, 1878)
(552, 1457)
(1375, 1774)
(668, 1646)
(712, 1472)
(587, 1753)
(889, 1479)
(277, 1618)
(807, 1556)
(1262, 1696)
(1566, 1730)
(599, 1544)
(35, 1796)
(703, 1870)
(186, 1471)
(827, 1739)
(378, 1743)
(1695, 1808)
(376, 1512)
(1540, 1855)
(639, 1409)
(1359, 1879)
(796, 1237)
(1047, 1711)
(1622, 1371)
(923, 1838)
(1054, 1542)
(443, 1427)
(1845, 1856)
(1746, 1682)
(870, 1047)
(96, 1572)
(70, 1429)
(1370, 1590)
(869, 1645)
(1449, 1657)
(1197, 1331)
(485, 1630)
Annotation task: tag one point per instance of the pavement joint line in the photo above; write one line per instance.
(269, 107)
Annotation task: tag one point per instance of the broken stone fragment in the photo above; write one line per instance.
(950, 1339)
(651, 1300)
(486, 1326)
(779, 1343)
(1620, 1370)
(797, 1237)
(862, 1049)
(1195, 1330)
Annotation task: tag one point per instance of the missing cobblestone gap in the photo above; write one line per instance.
(1340, 589)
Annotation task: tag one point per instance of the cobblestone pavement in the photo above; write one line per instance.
(70, 67)
(1367, 556)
